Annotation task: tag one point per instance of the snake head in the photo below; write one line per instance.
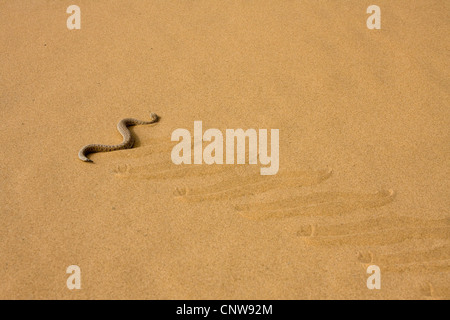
(154, 117)
(86, 159)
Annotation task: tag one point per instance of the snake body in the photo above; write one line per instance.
(128, 139)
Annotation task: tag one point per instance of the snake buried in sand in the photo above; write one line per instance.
(128, 139)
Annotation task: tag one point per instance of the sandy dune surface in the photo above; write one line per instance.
(364, 150)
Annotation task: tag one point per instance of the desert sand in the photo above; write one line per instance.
(364, 150)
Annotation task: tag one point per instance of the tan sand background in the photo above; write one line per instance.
(370, 105)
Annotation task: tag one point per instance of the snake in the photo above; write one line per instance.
(128, 139)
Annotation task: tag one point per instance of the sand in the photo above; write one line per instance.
(364, 150)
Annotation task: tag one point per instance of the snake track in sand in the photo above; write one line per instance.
(127, 143)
